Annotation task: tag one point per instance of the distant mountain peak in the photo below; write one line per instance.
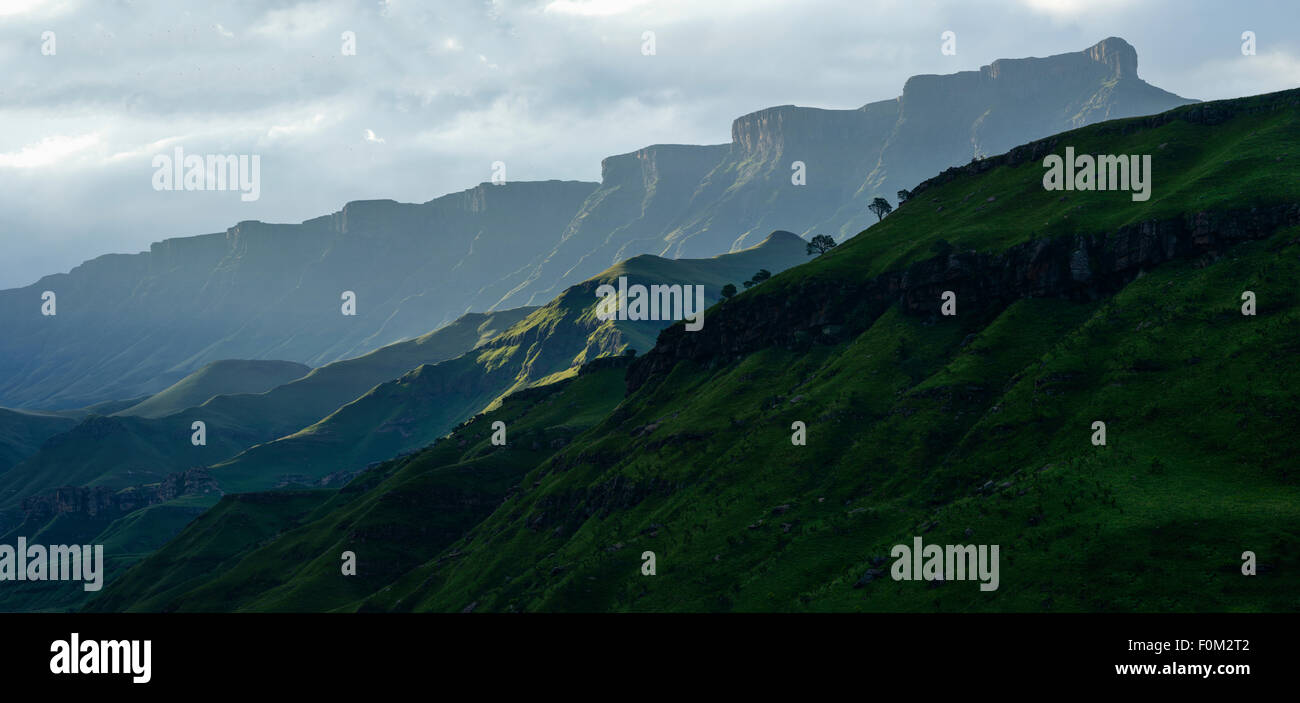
(1116, 53)
(781, 236)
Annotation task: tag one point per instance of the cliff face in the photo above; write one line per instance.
(1075, 267)
(102, 502)
(850, 157)
(948, 120)
(753, 191)
(640, 195)
(1080, 265)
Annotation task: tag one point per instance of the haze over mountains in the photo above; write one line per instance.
(145, 444)
(131, 325)
(552, 342)
(134, 324)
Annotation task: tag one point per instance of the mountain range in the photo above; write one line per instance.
(131, 325)
(977, 426)
(328, 433)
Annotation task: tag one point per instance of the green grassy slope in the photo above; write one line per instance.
(973, 429)
(295, 405)
(392, 517)
(212, 544)
(105, 407)
(118, 452)
(23, 433)
(126, 540)
(126, 453)
(906, 427)
(225, 377)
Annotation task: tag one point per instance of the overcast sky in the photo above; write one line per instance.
(438, 91)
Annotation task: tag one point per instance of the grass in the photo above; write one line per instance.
(968, 430)
(392, 517)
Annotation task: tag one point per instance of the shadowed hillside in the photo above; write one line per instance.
(218, 378)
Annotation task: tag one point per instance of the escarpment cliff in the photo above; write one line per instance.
(640, 195)
(104, 502)
(1076, 266)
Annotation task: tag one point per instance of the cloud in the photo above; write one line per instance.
(18, 7)
(49, 151)
(148, 150)
(296, 127)
(1069, 9)
(302, 19)
(594, 8)
(369, 135)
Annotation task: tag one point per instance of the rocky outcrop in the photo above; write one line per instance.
(1083, 266)
(100, 501)
(1117, 55)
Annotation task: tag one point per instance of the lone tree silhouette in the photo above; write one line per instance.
(728, 290)
(903, 195)
(820, 244)
(880, 207)
(762, 275)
